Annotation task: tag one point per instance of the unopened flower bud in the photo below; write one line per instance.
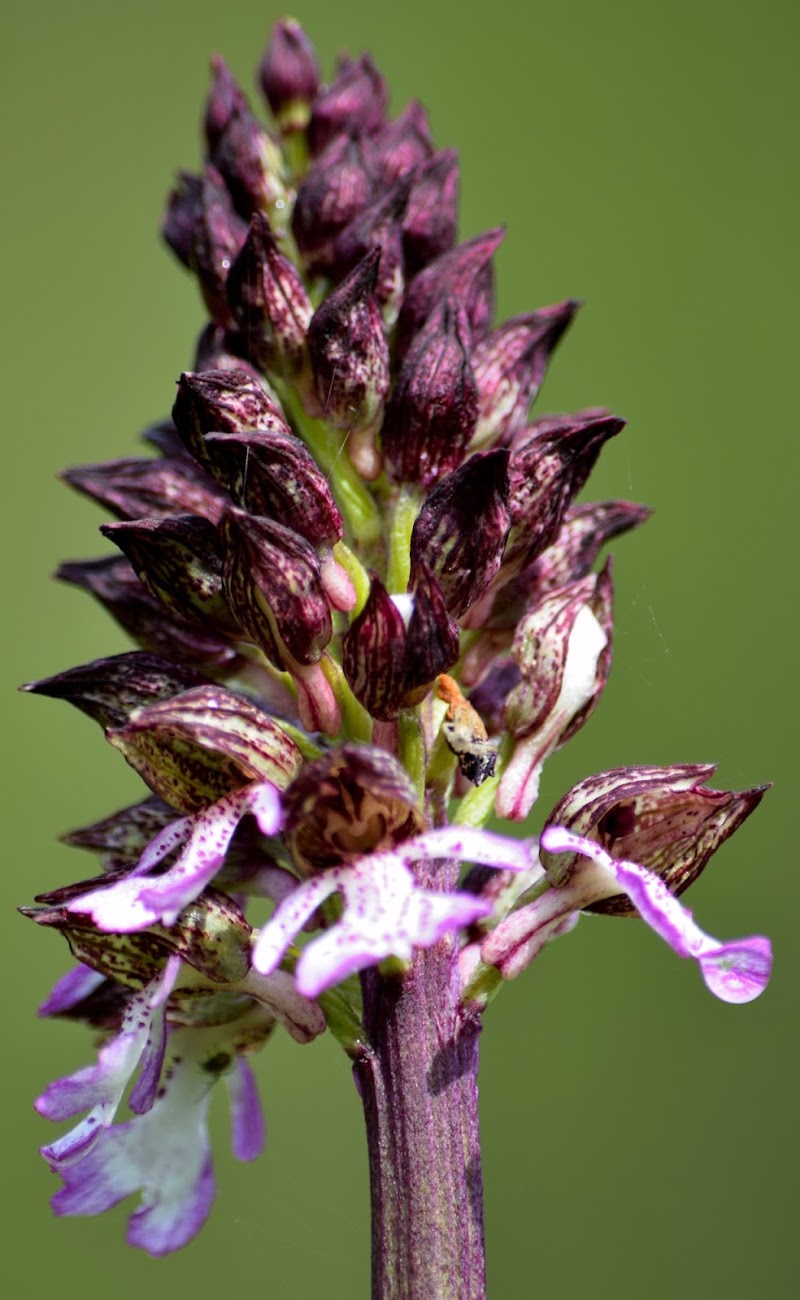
(179, 559)
(465, 274)
(134, 488)
(177, 226)
(221, 401)
(272, 473)
(379, 225)
(217, 235)
(546, 471)
(335, 189)
(110, 690)
(353, 800)
(431, 413)
(251, 165)
(664, 818)
(269, 302)
(225, 98)
(510, 364)
(195, 747)
(563, 650)
(356, 99)
(390, 666)
(431, 219)
(350, 361)
(122, 838)
(402, 143)
(289, 75)
(272, 582)
(461, 530)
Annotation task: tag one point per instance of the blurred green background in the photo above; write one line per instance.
(640, 1139)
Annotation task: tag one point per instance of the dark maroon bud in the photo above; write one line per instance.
(661, 817)
(225, 97)
(465, 273)
(431, 413)
(109, 690)
(354, 800)
(289, 75)
(272, 580)
(251, 164)
(336, 188)
(269, 302)
(433, 641)
(179, 560)
(390, 666)
(350, 359)
(510, 364)
(374, 654)
(431, 220)
(133, 488)
(545, 473)
(378, 225)
(356, 100)
(221, 401)
(402, 143)
(461, 530)
(178, 224)
(581, 537)
(274, 474)
(203, 744)
(218, 235)
(114, 584)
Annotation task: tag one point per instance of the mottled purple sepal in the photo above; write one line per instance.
(195, 747)
(350, 354)
(134, 488)
(269, 302)
(464, 274)
(584, 532)
(289, 75)
(379, 225)
(402, 144)
(460, 532)
(390, 666)
(431, 413)
(273, 584)
(122, 838)
(109, 690)
(274, 475)
(337, 186)
(225, 97)
(179, 559)
(218, 233)
(356, 100)
(251, 164)
(178, 223)
(222, 401)
(665, 818)
(431, 220)
(510, 365)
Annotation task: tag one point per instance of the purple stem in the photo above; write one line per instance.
(418, 1080)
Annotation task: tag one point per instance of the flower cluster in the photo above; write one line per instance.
(367, 609)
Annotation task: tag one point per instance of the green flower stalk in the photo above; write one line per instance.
(366, 609)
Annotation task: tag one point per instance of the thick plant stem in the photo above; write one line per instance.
(418, 1085)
